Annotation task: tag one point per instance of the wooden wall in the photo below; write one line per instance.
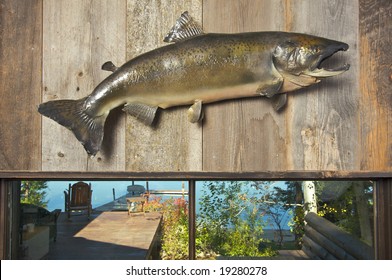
(55, 48)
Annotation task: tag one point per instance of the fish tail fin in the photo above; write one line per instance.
(72, 115)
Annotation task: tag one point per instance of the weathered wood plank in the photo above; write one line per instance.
(4, 228)
(79, 36)
(108, 236)
(375, 29)
(20, 84)
(172, 143)
(383, 219)
(246, 134)
(322, 119)
(198, 176)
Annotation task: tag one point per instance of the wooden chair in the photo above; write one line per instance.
(78, 198)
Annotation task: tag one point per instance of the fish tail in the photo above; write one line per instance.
(71, 114)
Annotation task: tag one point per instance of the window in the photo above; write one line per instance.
(263, 213)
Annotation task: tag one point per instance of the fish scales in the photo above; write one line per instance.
(187, 71)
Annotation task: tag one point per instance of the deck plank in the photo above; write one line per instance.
(106, 236)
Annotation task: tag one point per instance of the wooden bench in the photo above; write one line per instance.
(324, 240)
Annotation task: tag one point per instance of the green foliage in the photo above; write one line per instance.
(221, 228)
(297, 225)
(175, 229)
(34, 192)
(343, 211)
(293, 195)
(230, 220)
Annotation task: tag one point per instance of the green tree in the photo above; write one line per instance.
(351, 208)
(276, 201)
(294, 196)
(34, 192)
(230, 220)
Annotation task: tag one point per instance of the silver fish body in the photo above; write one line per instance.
(196, 69)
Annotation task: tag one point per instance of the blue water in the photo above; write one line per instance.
(103, 193)
(103, 190)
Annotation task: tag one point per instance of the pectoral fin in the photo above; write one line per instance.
(270, 88)
(109, 66)
(195, 112)
(279, 101)
(142, 112)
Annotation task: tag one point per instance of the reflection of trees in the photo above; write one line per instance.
(345, 203)
(34, 192)
(230, 222)
(349, 205)
(360, 191)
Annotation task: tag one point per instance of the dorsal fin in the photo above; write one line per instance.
(109, 66)
(186, 27)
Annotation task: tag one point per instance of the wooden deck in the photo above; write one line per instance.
(106, 236)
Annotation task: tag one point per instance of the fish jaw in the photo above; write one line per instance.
(298, 59)
(317, 71)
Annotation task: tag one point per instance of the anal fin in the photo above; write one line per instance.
(195, 112)
(142, 112)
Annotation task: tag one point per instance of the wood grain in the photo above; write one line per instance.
(79, 36)
(20, 84)
(172, 144)
(383, 219)
(322, 175)
(243, 134)
(322, 119)
(4, 228)
(342, 124)
(375, 29)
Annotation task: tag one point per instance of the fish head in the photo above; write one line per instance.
(299, 59)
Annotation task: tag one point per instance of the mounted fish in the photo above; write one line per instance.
(197, 68)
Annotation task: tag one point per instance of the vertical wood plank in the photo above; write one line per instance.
(20, 84)
(9, 219)
(375, 29)
(173, 144)
(4, 238)
(383, 219)
(79, 36)
(322, 119)
(108, 23)
(243, 134)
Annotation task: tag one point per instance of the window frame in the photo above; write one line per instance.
(381, 234)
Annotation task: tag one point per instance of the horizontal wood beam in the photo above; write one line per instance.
(196, 175)
(349, 243)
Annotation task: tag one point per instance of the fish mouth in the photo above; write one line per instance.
(320, 72)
